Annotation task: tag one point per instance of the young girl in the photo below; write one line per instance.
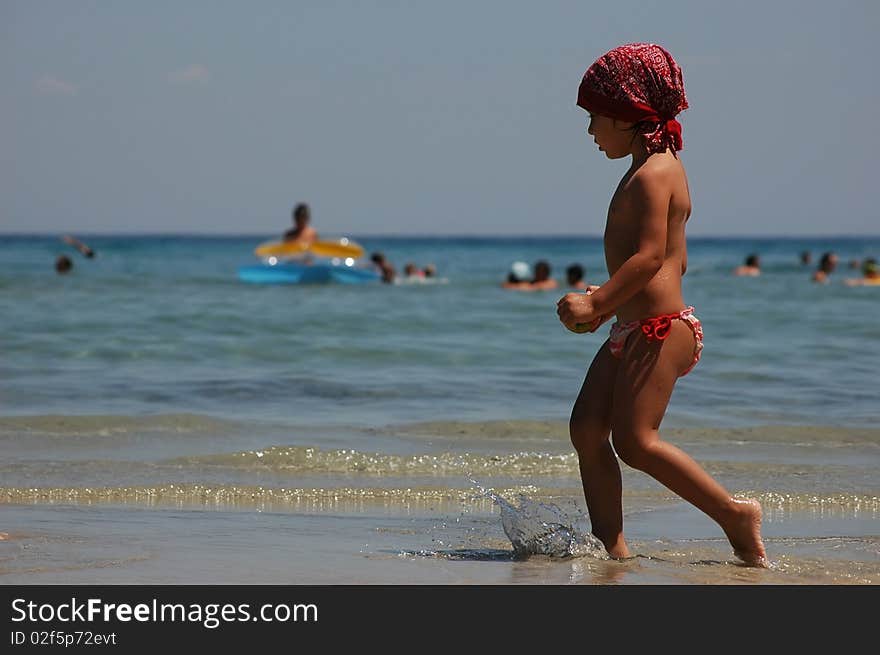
(633, 94)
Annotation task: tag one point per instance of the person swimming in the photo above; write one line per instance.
(410, 270)
(574, 277)
(520, 274)
(384, 267)
(302, 231)
(870, 275)
(63, 264)
(750, 268)
(827, 264)
(79, 245)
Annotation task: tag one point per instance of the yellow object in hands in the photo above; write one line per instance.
(583, 328)
(342, 248)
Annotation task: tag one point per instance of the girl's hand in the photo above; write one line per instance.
(576, 312)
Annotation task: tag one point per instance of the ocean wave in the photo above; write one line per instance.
(295, 460)
(304, 459)
(557, 431)
(500, 429)
(319, 499)
(552, 433)
(109, 425)
(808, 501)
(795, 435)
(324, 498)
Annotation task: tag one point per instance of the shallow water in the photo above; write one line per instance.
(431, 544)
(162, 422)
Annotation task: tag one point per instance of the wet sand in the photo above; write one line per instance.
(441, 542)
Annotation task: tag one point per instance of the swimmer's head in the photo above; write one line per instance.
(542, 271)
(574, 274)
(63, 264)
(753, 260)
(301, 213)
(828, 262)
(869, 268)
(520, 272)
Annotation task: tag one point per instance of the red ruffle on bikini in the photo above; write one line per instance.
(657, 328)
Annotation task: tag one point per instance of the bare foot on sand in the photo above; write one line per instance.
(618, 549)
(744, 533)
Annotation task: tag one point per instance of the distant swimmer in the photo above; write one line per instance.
(826, 266)
(574, 277)
(412, 271)
(63, 264)
(412, 274)
(79, 245)
(302, 231)
(384, 267)
(751, 267)
(540, 281)
(806, 258)
(870, 275)
(520, 273)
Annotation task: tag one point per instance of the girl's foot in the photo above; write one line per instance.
(744, 533)
(616, 548)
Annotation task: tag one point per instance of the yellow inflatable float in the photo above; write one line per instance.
(342, 248)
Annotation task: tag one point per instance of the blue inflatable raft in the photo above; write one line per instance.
(301, 273)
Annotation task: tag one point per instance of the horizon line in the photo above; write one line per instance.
(463, 237)
(263, 236)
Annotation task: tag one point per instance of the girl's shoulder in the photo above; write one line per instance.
(662, 164)
(658, 172)
(659, 181)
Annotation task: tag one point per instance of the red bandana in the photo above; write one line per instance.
(634, 83)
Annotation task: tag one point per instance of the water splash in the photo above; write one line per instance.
(536, 528)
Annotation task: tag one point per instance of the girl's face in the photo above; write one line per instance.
(614, 137)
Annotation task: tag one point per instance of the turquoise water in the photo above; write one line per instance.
(162, 325)
(162, 421)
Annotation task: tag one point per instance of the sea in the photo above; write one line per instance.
(162, 421)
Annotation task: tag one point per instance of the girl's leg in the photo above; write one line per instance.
(645, 379)
(590, 427)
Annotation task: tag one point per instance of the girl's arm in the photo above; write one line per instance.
(649, 206)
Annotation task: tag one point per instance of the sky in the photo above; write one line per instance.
(422, 118)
